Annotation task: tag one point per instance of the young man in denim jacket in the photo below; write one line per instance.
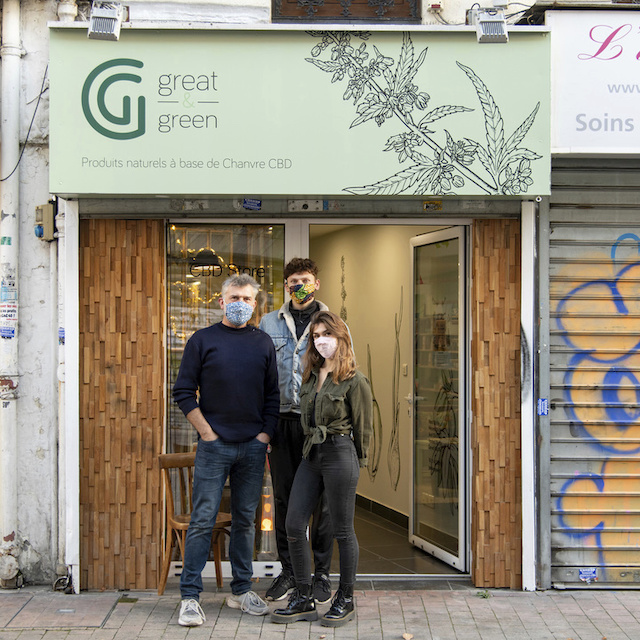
(289, 330)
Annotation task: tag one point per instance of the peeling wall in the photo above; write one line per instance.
(37, 399)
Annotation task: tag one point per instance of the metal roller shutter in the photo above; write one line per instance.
(594, 331)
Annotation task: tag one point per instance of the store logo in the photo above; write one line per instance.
(94, 102)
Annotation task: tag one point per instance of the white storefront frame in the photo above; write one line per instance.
(296, 243)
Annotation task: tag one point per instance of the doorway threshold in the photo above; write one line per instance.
(382, 582)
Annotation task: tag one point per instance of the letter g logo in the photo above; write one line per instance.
(122, 129)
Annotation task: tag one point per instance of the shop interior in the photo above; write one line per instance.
(367, 277)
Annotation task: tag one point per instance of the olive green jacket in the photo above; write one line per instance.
(346, 408)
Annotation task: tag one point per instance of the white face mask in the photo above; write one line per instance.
(326, 346)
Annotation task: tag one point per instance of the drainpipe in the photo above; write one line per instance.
(10, 52)
(61, 568)
(68, 270)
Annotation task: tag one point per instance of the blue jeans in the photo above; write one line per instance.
(332, 467)
(243, 464)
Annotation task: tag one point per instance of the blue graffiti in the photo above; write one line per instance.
(620, 240)
(616, 298)
(603, 378)
(617, 377)
(595, 531)
(616, 409)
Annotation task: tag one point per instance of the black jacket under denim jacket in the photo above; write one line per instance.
(343, 408)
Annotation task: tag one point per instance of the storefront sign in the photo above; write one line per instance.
(276, 112)
(596, 94)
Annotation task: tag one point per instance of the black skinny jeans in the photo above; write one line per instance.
(332, 467)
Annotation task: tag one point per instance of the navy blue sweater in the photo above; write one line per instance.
(235, 372)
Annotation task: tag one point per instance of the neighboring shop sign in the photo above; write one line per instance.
(595, 85)
(278, 112)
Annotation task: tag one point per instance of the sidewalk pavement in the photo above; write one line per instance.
(447, 611)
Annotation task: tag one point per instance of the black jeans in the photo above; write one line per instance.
(284, 459)
(332, 467)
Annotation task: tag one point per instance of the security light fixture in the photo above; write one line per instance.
(491, 25)
(105, 20)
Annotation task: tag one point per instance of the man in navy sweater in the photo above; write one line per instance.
(233, 368)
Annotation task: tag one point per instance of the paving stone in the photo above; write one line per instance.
(382, 615)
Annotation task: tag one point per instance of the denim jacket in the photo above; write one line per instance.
(289, 354)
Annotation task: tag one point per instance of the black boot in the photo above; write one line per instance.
(301, 606)
(343, 607)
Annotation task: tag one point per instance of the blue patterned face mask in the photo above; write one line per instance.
(238, 312)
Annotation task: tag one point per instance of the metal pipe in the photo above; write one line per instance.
(69, 270)
(10, 52)
(527, 393)
(62, 447)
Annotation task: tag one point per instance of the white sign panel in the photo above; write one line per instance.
(595, 73)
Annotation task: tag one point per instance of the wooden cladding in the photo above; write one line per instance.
(496, 530)
(122, 357)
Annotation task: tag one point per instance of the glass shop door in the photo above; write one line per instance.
(439, 522)
(200, 256)
(199, 259)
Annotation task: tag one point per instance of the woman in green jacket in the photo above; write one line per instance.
(336, 413)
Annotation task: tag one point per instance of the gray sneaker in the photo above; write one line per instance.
(249, 602)
(191, 613)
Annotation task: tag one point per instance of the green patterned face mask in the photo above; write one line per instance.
(303, 292)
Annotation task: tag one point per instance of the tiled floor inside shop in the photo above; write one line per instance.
(386, 550)
(387, 561)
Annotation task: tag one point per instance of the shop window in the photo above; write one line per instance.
(199, 259)
(396, 11)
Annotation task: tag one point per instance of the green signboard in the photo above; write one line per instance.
(291, 113)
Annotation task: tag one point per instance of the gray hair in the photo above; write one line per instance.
(240, 280)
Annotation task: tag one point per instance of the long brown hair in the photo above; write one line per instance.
(345, 357)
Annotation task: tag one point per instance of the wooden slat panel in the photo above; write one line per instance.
(122, 303)
(496, 532)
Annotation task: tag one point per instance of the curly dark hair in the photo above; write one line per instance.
(300, 265)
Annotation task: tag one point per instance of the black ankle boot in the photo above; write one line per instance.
(301, 606)
(343, 607)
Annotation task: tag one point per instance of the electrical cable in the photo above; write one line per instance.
(24, 146)
(516, 13)
(440, 19)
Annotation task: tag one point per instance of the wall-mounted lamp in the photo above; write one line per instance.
(491, 25)
(105, 20)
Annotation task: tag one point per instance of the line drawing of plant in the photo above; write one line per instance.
(375, 449)
(343, 291)
(502, 167)
(393, 457)
(444, 438)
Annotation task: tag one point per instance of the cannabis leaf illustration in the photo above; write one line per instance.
(499, 157)
(383, 90)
